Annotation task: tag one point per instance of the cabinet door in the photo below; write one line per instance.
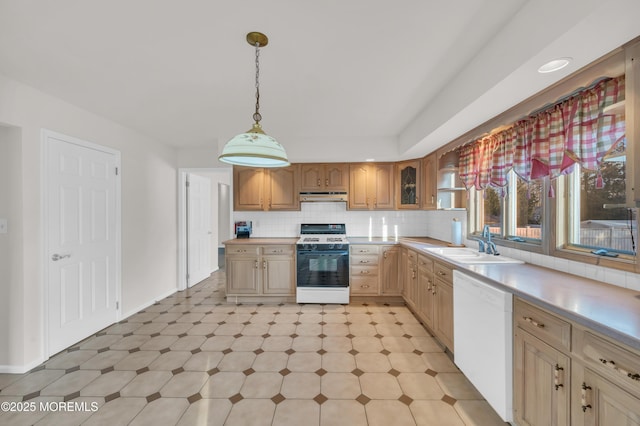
(248, 188)
(389, 275)
(443, 312)
(282, 189)
(606, 404)
(382, 187)
(430, 180)
(311, 177)
(358, 187)
(408, 185)
(426, 301)
(278, 275)
(243, 275)
(336, 177)
(541, 382)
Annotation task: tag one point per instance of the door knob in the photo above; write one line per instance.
(57, 256)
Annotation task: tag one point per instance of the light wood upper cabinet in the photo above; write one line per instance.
(324, 177)
(371, 186)
(408, 182)
(256, 188)
(430, 182)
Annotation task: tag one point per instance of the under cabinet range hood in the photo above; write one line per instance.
(310, 197)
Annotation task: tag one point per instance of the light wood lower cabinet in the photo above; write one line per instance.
(374, 270)
(443, 304)
(390, 282)
(604, 403)
(260, 270)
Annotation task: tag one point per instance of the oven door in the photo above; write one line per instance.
(323, 268)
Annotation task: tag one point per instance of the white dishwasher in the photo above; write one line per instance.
(483, 340)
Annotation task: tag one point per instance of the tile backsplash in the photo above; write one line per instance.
(434, 224)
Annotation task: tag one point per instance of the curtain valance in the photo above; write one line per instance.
(549, 142)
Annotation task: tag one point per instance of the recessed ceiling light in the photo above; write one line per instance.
(554, 65)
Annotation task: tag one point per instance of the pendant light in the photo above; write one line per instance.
(254, 148)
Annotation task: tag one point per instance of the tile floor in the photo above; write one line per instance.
(193, 359)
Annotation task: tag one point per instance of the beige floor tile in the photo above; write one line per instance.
(247, 343)
(229, 329)
(342, 412)
(159, 342)
(191, 317)
(478, 413)
(127, 327)
(217, 343)
(210, 412)
(108, 383)
(237, 361)
(310, 308)
(262, 385)
(201, 329)
(119, 411)
(426, 344)
(387, 412)
(301, 385)
(296, 412)
(306, 344)
(270, 361)
(397, 344)
(154, 327)
(170, 361)
(223, 385)
(383, 318)
(256, 329)
(146, 384)
(457, 386)
(188, 343)
(70, 383)
(8, 379)
(175, 329)
(435, 413)
(334, 308)
(439, 362)
(367, 344)
(334, 329)
(362, 329)
(420, 386)
(416, 330)
(309, 329)
(143, 317)
(337, 344)
(334, 318)
(284, 329)
(100, 342)
(214, 318)
(165, 411)
(251, 412)
(184, 384)
(390, 330)
(359, 318)
(137, 360)
(203, 361)
(130, 342)
(304, 362)
(407, 362)
(262, 318)
(285, 318)
(340, 386)
(68, 360)
(277, 343)
(168, 317)
(373, 362)
(338, 362)
(380, 386)
(310, 318)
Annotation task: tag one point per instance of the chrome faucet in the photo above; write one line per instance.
(485, 244)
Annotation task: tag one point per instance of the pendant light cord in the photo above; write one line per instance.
(256, 116)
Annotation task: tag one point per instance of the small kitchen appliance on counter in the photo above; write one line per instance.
(243, 229)
(322, 264)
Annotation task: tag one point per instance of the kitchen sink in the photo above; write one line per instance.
(469, 256)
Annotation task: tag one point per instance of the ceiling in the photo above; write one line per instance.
(339, 80)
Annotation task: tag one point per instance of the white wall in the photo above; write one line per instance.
(149, 211)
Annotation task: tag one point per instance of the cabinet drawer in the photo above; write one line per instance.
(425, 263)
(365, 249)
(542, 324)
(238, 250)
(620, 365)
(443, 271)
(363, 271)
(363, 260)
(412, 255)
(278, 249)
(364, 285)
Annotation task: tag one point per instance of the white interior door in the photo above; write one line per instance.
(198, 229)
(81, 233)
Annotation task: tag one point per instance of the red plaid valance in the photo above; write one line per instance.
(549, 142)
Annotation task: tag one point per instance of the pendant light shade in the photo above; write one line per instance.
(254, 148)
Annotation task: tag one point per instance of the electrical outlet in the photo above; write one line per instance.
(3, 226)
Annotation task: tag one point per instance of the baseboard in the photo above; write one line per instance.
(147, 304)
(20, 369)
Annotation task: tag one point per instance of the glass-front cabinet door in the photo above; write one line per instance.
(408, 181)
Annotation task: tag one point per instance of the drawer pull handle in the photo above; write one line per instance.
(433, 289)
(583, 397)
(612, 364)
(364, 261)
(364, 272)
(441, 273)
(364, 286)
(556, 377)
(534, 322)
(385, 255)
(364, 251)
(264, 264)
(256, 265)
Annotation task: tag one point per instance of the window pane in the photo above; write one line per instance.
(492, 204)
(529, 209)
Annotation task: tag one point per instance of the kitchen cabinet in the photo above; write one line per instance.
(430, 182)
(409, 276)
(604, 403)
(364, 277)
(324, 177)
(371, 186)
(390, 283)
(260, 270)
(257, 188)
(426, 291)
(451, 194)
(443, 304)
(408, 184)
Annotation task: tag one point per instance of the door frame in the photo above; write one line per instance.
(44, 213)
(182, 218)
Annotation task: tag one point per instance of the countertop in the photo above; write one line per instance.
(611, 310)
